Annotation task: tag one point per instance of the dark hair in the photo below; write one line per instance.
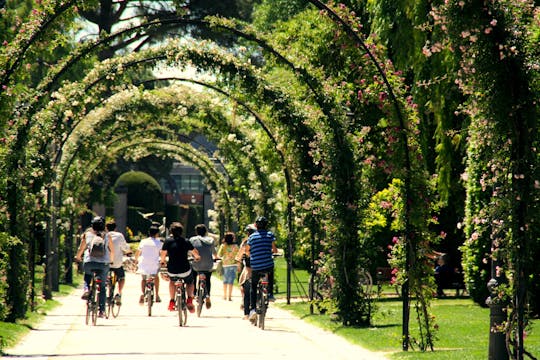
(154, 228)
(111, 225)
(200, 229)
(176, 229)
(229, 238)
(98, 223)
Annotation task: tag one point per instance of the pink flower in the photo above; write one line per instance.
(395, 239)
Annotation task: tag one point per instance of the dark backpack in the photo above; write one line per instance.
(97, 246)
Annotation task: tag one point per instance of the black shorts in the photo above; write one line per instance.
(120, 273)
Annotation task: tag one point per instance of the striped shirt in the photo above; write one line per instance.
(260, 249)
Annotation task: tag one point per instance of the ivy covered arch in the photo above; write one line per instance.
(337, 175)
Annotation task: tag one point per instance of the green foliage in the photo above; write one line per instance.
(14, 278)
(143, 190)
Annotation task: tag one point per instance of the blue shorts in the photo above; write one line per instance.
(229, 274)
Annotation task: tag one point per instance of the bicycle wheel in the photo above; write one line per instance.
(88, 311)
(115, 308)
(180, 309)
(200, 298)
(149, 299)
(95, 301)
(261, 313)
(110, 298)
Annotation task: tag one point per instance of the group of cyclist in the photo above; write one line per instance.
(253, 257)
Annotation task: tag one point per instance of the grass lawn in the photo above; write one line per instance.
(463, 326)
(11, 333)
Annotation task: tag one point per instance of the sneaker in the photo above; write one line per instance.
(118, 299)
(189, 304)
(171, 305)
(271, 298)
(208, 303)
(101, 314)
(85, 295)
(158, 299)
(252, 315)
(141, 299)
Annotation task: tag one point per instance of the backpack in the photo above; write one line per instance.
(97, 246)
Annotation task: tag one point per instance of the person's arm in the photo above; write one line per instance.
(274, 248)
(196, 254)
(111, 248)
(137, 254)
(81, 248)
(126, 249)
(162, 257)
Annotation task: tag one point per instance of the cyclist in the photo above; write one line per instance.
(207, 250)
(245, 275)
(147, 259)
(261, 246)
(120, 247)
(176, 248)
(90, 263)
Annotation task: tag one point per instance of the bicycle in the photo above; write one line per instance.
(262, 301)
(149, 292)
(92, 303)
(202, 289)
(180, 299)
(113, 305)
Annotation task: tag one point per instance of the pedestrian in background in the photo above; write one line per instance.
(227, 253)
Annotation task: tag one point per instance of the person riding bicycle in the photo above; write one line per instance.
(260, 247)
(147, 259)
(92, 263)
(176, 248)
(207, 250)
(121, 247)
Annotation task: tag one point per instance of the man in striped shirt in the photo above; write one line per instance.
(260, 247)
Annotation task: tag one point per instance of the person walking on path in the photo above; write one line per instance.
(93, 262)
(120, 247)
(177, 248)
(207, 250)
(147, 259)
(242, 259)
(261, 246)
(227, 252)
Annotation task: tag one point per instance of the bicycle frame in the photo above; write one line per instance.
(92, 303)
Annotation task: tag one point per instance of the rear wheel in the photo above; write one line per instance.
(95, 302)
(200, 300)
(179, 305)
(149, 300)
(261, 312)
(88, 311)
(110, 299)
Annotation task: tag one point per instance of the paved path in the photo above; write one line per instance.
(220, 333)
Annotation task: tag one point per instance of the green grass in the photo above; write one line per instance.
(463, 330)
(11, 333)
(463, 326)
